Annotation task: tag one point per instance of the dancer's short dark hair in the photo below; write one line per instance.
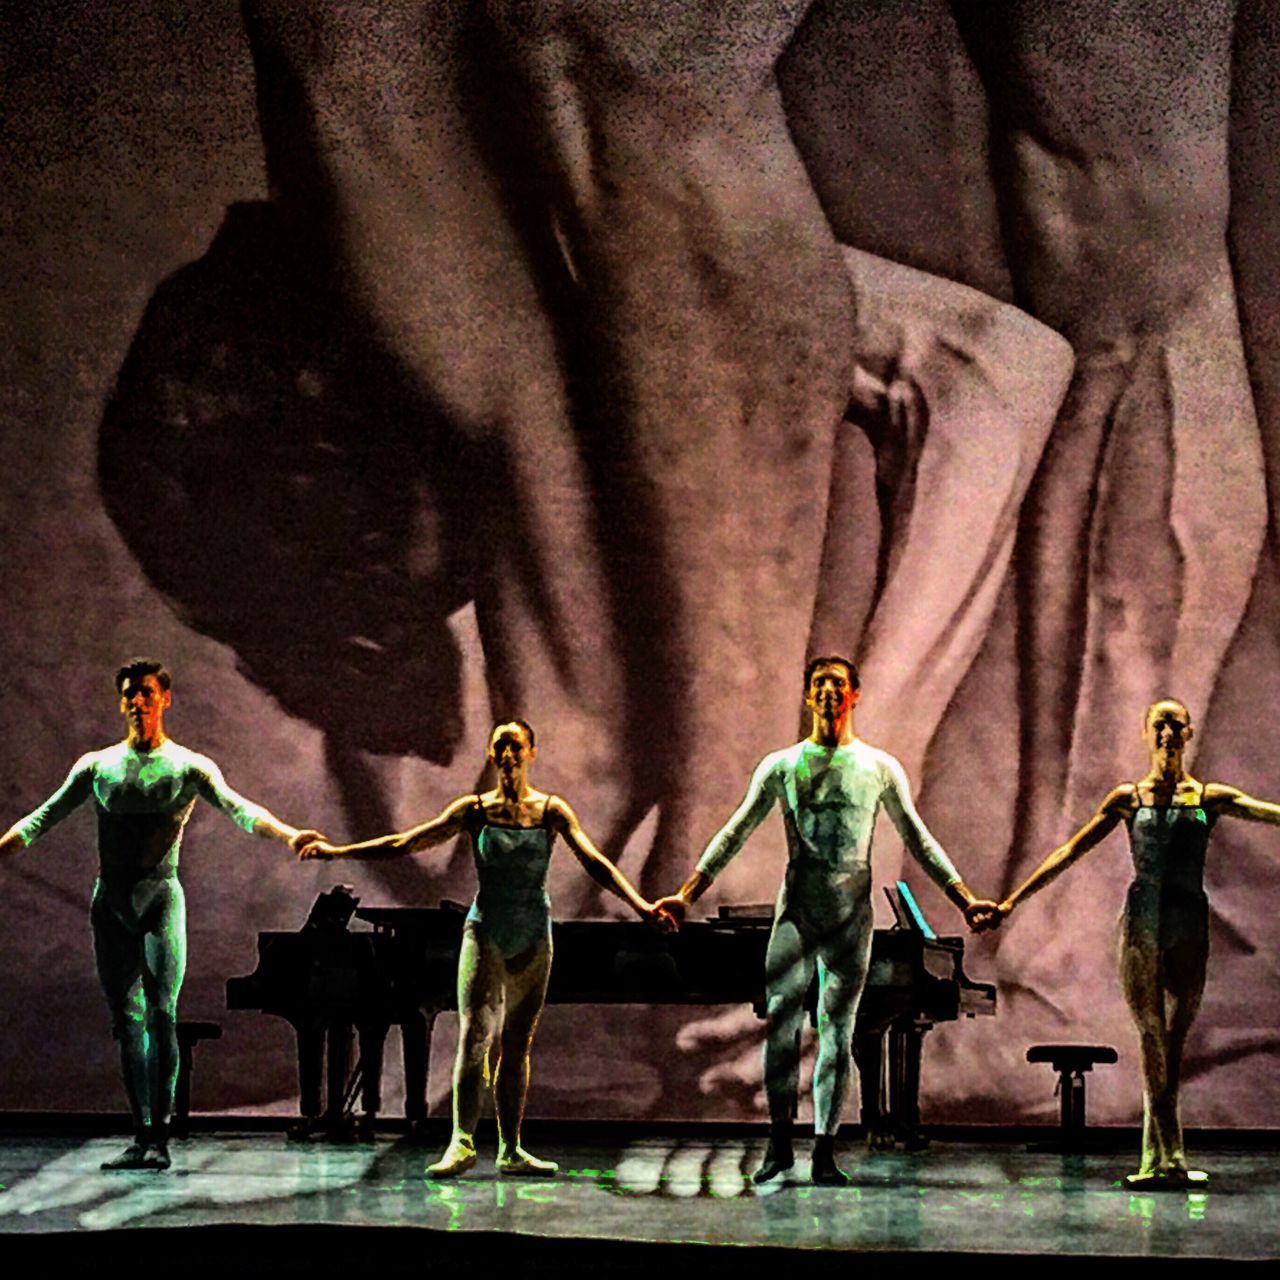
(832, 660)
(138, 668)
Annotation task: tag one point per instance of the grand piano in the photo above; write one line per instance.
(330, 981)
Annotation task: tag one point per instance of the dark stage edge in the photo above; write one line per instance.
(254, 1204)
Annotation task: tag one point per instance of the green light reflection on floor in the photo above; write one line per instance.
(451, 1198)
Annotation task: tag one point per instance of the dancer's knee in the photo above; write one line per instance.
(784, 1009)
(163, 1023)
(835, 1040)
(515, 1041)
(474, 1038)
(128, 1020)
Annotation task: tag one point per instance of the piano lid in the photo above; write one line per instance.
(907, 913)
(752, 912)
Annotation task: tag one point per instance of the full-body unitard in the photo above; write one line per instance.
(1163, 953)
(830, 796)
(143, 800)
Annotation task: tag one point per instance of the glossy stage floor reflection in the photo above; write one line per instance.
(951, 1198)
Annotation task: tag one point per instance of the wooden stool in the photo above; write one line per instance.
(188, 1034)
(1071, 1061)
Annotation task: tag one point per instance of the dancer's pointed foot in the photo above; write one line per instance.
(518, 1163)
(458, 1157)
(304, 1129)
(132, 1157)
(779, 1156)
(157, 1156)
(1167, 1179)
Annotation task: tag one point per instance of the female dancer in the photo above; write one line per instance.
(506, 942)
(1165, 926)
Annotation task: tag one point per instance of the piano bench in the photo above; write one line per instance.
(189, 1034)
(1071, 1061)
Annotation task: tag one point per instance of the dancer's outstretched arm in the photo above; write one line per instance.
(440, 829)
(1110, 813)
(597, 866)
(727, 843)
(1231, 802)
(247, 815)
(921, 845)
(75, 790)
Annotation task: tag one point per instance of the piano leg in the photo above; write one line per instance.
(310, 1039)
(339, 1037)
(373, 1041)
(415, 1035)
(868, 1056)
(310, 1068)
(905, 1045)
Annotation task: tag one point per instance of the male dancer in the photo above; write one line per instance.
(144, 789)
(831, 787)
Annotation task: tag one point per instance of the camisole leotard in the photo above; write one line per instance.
(1166, 903)
(511, 907)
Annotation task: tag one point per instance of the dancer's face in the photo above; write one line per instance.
(511, 751)
(143, 703)
(830, 692)
(1168, 730)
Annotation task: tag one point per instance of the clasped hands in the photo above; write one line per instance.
(983, 915)
(311, 844)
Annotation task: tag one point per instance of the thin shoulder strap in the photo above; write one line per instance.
(546, 809)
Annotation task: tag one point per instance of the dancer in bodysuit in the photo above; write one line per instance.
(506, 942)
(143, 789)
(830, 787)
(1165, 926)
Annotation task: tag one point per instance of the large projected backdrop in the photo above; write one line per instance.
(387, 367)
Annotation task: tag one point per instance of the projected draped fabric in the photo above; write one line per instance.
(385, 369)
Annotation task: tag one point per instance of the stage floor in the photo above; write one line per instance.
(951, 1199)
